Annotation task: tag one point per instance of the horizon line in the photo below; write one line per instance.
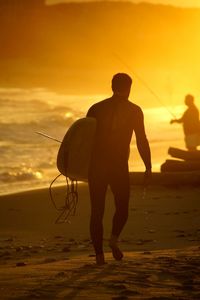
(153, 2)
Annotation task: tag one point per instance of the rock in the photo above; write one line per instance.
(49, 260)
(21, 264)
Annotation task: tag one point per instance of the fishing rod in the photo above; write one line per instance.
(144, 83)
(47, 136)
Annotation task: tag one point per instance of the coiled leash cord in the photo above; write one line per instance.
(71, 200)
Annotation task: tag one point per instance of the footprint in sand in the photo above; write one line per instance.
(48, 260)
(120, 298)
(5, 255)
(182, 235)
(60, 274)
(66, 249)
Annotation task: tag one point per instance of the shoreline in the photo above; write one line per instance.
(136, 178)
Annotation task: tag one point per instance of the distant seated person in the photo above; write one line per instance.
(191, 124)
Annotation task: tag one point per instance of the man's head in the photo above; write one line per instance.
(121, 84)
(189, 100)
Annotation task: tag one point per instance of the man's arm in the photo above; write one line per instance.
(176, 121)
(142, 142)
(180, 120)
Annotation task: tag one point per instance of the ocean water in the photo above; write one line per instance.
(28, 160)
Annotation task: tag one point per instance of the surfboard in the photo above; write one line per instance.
(74, 154)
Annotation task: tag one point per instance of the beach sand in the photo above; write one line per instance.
(43, 260)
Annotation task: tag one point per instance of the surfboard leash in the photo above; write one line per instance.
(71, 200)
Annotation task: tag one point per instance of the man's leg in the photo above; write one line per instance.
(121, 189)
(97, 187)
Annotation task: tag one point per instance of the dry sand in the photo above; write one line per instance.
(43, 260)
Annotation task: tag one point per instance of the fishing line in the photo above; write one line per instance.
(144, 83)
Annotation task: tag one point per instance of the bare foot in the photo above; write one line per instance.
(100, 260)
(116, 252)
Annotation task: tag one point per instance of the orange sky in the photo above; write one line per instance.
(187, 3)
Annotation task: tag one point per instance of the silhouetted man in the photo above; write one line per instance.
(191, 124)
(116, 118)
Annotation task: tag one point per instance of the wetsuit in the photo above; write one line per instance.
(117, 118)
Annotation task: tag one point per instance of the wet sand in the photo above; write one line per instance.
(43, 260)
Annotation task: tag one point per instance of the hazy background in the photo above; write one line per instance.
(75, 48)
(57, 60)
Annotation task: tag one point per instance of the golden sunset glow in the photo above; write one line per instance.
(67, 54)
(81, 45)
(99, 170)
